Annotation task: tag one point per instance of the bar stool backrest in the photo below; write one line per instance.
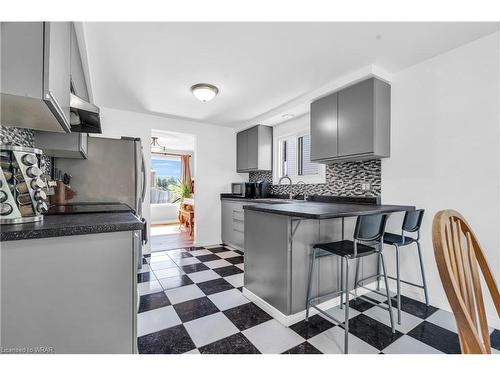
(370, 228)
(458, 255)
(413, 220)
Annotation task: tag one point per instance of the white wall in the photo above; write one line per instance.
(295, 125)
(445, 151)
(215, 162)
(164, 213)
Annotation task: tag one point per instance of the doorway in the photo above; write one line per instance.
(172, 178)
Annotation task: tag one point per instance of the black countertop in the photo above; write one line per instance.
(311, 198)
(319, 210)
(71, 225)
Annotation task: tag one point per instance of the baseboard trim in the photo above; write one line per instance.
(164, 222)
(233, 246)
(288, 320)
(442, 304)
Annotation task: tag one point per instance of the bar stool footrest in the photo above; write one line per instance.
(406, 282)
(328, 316)
(359, 285)
(371, 302)
(323, 296)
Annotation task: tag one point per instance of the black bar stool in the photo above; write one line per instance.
(368, 239)
(411, 224)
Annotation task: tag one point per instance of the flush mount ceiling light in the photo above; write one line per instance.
(287, 116)
(204, 91)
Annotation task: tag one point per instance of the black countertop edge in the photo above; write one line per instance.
(321, 210)
(311, 198)
(71, 225)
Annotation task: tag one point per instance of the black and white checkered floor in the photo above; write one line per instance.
(191, 302)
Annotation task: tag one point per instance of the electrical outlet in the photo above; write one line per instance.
(366, 186)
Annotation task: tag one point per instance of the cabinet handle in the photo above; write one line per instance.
(57, 111)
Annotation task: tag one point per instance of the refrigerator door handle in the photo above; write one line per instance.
(144, 232)
(143, 193)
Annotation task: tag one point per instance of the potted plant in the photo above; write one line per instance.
(180, 190)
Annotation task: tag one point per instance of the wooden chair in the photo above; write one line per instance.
(186, 217)
(458, 253)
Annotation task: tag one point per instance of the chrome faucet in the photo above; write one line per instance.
(304, 194)
(290, 194)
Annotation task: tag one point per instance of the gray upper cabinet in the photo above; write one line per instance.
(242, 151)
(362, 123)
(254, 147)
(355, 119)
(57, 66)
(324, 127)
(78, 83)
(35, 70)
(62, 145)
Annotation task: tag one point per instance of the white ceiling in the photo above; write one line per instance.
(149, 67)
(173, 141)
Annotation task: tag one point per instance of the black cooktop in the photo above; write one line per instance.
(88, 208)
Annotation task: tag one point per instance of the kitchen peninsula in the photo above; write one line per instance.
(278, 242)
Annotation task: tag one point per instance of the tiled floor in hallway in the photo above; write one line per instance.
(191, 302)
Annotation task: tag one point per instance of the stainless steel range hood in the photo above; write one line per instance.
(84, 116)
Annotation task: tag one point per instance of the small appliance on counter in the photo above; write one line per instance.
(250, 190)
(262, 189)
(23, 187)
(243, 189)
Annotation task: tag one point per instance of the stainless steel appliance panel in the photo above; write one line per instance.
(111, 173)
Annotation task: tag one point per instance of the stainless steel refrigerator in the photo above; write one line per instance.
(113, 172)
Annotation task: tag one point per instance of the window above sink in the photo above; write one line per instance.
(292, 153)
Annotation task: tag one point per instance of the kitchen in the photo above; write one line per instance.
(354, 144)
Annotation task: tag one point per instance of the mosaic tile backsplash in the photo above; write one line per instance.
(19, 136)
(342, 180)
(22, 137)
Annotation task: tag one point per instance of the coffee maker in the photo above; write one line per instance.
(261, 189)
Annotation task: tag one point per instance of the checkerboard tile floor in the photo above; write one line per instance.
(191, 302)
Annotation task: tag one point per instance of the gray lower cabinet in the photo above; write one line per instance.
(61, 145)
(352, 124)
(35, 71)
(254, 147)
(71, 294)
(233, 223)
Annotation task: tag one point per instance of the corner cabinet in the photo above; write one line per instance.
(35, 70)
(254, 148)
(352, 124)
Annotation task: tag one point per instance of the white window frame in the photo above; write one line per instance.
(160, 156)
(320, 178)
